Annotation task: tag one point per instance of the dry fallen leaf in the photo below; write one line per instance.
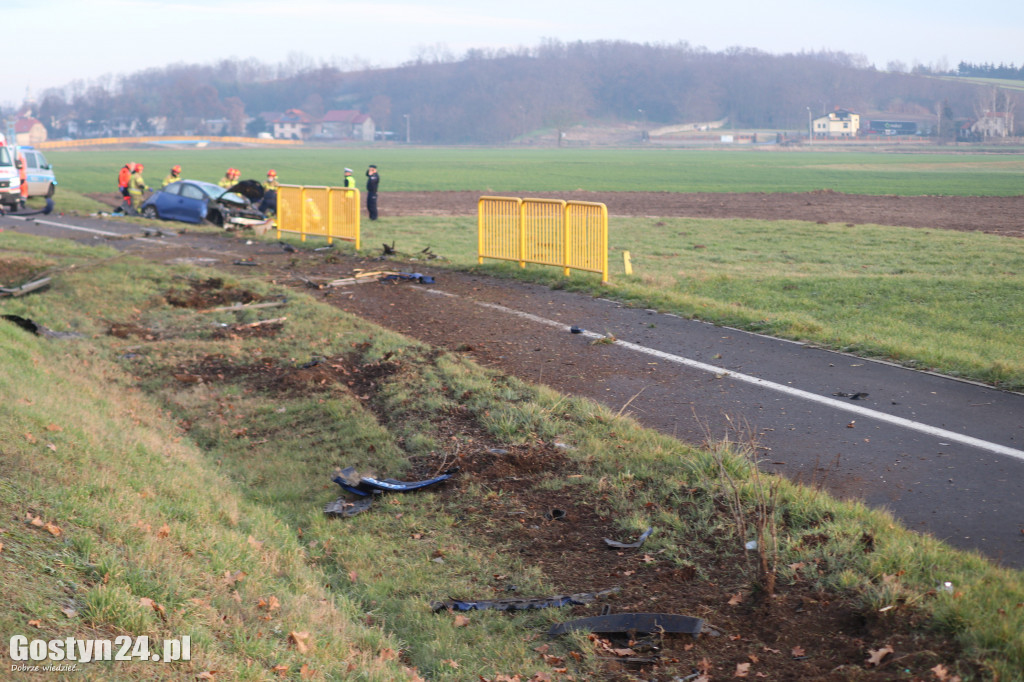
(461, 621)
(253, 542)
(742, 670)
(164, 531)
(206, 675)
(941, 673)
(798, 652)
(299, 641)
(387, 655)
(875, 656)
(231, 578)
(306, 673)
(36, 623)
(735, 599)
(1, 546)
(53, 530)
(451, 663)
(704, 665)
(69, 612)
(281, 670)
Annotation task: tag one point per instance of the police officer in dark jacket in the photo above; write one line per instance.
(372, 180)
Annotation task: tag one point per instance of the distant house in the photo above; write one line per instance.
(838, 124)
(993, 124)
(295, 124)
(29, 131)
(348, 124)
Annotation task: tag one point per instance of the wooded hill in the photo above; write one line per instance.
(497, 97)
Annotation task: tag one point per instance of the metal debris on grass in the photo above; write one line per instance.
(631, 545)
(522, 604)
(351, 481)
(635, 622)
(25, 288)
(345, 508)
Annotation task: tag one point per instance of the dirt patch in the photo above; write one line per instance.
(210, 293)
(993, 215)
(15, 271)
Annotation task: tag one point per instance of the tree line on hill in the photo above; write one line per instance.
(497, 97)
(986, 70)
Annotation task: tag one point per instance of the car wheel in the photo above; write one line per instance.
(217, 218)
(150, 212)
(50, 190)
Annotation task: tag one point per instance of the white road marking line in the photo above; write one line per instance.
(73, 227)
(943, 434)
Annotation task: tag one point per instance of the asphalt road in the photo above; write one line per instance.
(945, 456)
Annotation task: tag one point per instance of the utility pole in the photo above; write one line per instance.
(810, 130)
(407, 138)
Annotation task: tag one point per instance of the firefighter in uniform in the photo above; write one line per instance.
(268, 206)
(136, 186)
(124, 177)
(228, 180)
(174, 176)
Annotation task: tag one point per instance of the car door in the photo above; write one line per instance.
(182, 201)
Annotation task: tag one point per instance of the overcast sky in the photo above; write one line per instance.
(56, 42)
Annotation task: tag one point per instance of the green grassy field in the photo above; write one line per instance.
(535, 170)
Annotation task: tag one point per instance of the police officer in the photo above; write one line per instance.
(372, 181)
(350, 181)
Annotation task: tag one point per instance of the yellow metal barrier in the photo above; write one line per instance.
(331, 212)
(572, 235)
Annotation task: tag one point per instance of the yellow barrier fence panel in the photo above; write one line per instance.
(543, 222)
(344, 214)
(587, 237)
(498, 228)
(316, 211)
(289, 209)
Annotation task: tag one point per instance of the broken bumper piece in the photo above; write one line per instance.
(522, 604)
(350, 481)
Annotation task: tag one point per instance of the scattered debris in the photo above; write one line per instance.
(324, 248)
(350, 480)
(25, 288)
(522, 604)
(389, 250)
(575, 330)
(362, 277)
(635, 622)
(247, 261)
(344, 508)
(852, 396)
(416, 276)
(632, 545)
(244, 306)
(752, 544)
(38, 329)
(556, 515)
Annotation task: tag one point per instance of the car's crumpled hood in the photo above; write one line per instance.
(250, 189)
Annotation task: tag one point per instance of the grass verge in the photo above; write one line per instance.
(179, 489)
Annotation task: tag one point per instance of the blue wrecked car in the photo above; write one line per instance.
(195, 201)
